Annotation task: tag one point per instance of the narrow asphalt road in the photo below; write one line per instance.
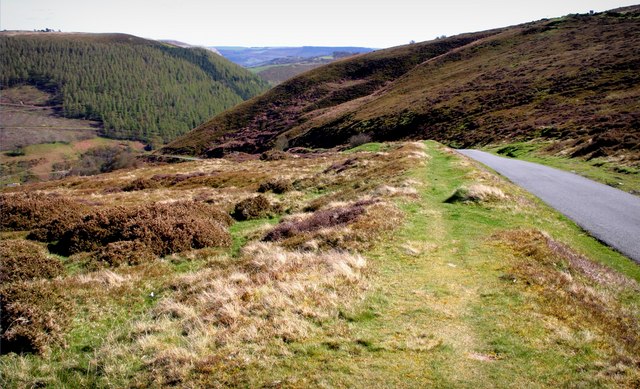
(609, 214)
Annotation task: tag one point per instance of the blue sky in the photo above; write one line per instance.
(370, 23)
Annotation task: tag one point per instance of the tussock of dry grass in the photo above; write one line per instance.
(103, 278)
(477, 193)
(222, 319)
(390, 191)
(578, 291)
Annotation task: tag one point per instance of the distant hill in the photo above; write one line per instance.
(279, 70)
(187, 45)
(574, 79)
(260, 56)
(138, 89)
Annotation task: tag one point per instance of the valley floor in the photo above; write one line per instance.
(449, 277)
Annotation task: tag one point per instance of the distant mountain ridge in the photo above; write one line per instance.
(138, 89)
(574, 79)
(258, 56)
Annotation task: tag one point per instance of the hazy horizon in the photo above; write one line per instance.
(285, 23)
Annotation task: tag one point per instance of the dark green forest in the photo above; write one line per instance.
(139, 89)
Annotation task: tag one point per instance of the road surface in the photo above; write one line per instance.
(609, 214)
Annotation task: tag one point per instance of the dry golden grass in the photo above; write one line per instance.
(227, 313)
(575, 290)
(477, 193)
(215, 320)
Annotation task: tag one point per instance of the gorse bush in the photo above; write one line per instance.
(33, 317)
(25, 211)
(21, 260)
(277, 186)
(163, 228)
(252, 208)
(124, 253)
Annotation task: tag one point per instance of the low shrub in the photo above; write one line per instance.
(163, 228)
(124, 253)
(252, 208)
(359, 140)
(273, 155)
(34, 316)
(141, 184)
(53, 230)
(25, 211)
(21, 260)
(103, 160)
(327, 218)
(278, 186)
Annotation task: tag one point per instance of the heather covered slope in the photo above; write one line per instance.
(572, 79)
(136, 88)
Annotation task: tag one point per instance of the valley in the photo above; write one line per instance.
(37, 144)
(170, 219)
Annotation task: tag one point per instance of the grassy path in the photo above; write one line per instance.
(443, 310)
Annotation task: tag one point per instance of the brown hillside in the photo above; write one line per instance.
(574, 79)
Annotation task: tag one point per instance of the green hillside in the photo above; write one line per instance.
(572, 80)
(139, 89)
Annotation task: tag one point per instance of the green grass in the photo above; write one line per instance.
(258, 69)
(240, 231)
(372, 147)
(444, 307)
(445, 317)
(607, 172)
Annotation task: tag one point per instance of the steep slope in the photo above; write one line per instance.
(573, 78)
(139, 89)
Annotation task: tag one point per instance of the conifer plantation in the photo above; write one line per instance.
(139, 89)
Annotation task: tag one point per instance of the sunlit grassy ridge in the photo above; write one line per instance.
(378, 281)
